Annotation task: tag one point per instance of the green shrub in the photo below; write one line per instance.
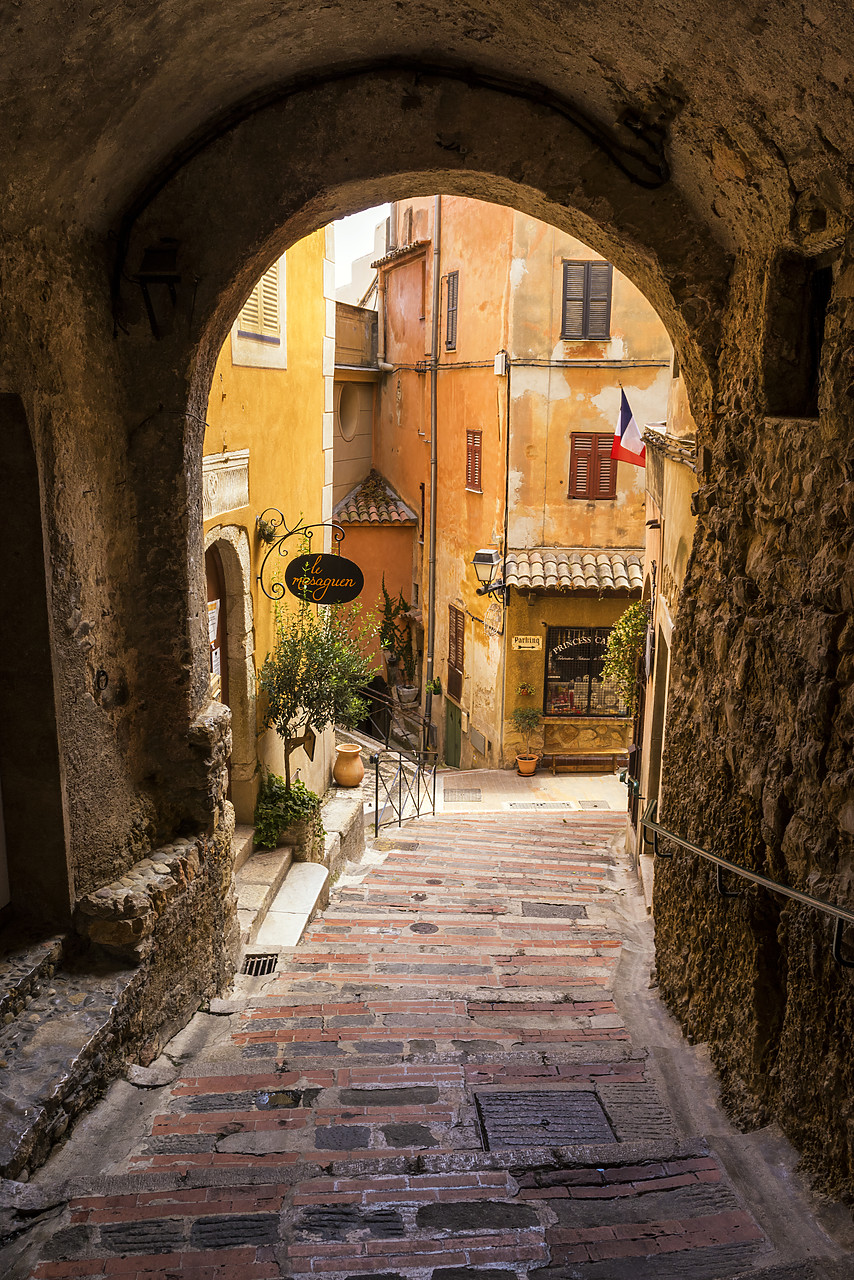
(624, 650)
(279, 807)
(526, 720)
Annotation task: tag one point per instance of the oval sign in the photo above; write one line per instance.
(321, 578)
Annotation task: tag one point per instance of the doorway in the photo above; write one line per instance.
(453, 734)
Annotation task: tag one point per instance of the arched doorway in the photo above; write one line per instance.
(231, 641)
(34, 868)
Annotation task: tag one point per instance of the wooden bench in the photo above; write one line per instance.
(586, 761)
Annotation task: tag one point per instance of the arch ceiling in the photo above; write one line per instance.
(754, 100)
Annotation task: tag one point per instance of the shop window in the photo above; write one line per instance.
(574, 682)
(451, 316)
(474, 447)
(592, 470)
(586, 300)
(456, 651)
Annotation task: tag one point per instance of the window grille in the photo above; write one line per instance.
(574, 683)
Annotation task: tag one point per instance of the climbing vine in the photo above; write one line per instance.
(624, 650)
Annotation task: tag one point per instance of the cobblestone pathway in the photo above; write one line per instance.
(437, 1084)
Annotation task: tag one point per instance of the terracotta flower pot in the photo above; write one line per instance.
(349, 770)
(527, 765)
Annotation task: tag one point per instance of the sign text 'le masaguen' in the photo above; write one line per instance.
(324, 579)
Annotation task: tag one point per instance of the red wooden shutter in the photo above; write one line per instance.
(606, 470)
(582, 462)
(599, 276)
(474, 451)
(574, 276)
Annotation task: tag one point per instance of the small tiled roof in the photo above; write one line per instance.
(373, 501)
(576, 569)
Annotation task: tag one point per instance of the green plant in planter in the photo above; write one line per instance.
(624, 650)
(525, 690)
(396, 634)
(314, 673)
(526, 720)
(280, 806)
(434, 686)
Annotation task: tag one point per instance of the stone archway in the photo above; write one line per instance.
(232, 543)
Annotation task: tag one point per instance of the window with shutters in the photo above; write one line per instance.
(592, 470)
(474, 447)
(456, 651)
(258, 337)
(451, 317)
(587, 300)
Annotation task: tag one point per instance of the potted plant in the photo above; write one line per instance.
(526, 720)
(524, 689)
(407, 690)
(312, 680)
(390, 612)
(287, 815)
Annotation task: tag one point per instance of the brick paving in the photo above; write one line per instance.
(462, 989)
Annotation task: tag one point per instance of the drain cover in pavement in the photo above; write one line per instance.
(539, 804)
(424, 927)
(258, 964)
(545, 1119)
(554, 910)
(386, 846)
(593, 804)
(470, 795)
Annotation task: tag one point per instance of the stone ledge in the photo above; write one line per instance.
(121, 917)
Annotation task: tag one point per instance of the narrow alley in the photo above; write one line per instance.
(461, 1073)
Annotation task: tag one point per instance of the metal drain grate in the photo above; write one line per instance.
(539, 804)
(463, 795)
(260, 963)
(593, 804)
(545, 1119)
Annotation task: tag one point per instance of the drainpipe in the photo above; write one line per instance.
(381, 360)
(504, 558)
(434, 384)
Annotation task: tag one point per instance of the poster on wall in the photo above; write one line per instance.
(213, 619)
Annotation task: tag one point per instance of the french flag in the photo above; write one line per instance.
(628, 445)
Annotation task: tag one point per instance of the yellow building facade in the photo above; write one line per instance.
(268, 444)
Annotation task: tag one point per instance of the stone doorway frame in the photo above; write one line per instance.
(232, 543)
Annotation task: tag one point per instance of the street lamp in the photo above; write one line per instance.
(485, 563)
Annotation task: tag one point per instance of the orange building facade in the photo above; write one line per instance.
(536, 337)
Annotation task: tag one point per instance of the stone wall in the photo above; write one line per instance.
(758, 754)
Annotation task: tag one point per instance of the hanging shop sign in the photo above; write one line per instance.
(321, 578)
(528, 643)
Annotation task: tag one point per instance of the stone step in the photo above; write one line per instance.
(242, 845)
(24, 963)
(304, 892)
(256, 884)
(56, 1055)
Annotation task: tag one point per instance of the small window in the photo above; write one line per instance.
(592, 470)
(474, 446)
(456, 651)
(587, 300)
(407, 226)
(451, 318)
(574, 682)
(259, 318)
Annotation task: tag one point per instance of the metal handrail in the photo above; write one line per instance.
(842, 915)
(419, 765)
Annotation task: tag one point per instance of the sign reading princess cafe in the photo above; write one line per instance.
(323, 578)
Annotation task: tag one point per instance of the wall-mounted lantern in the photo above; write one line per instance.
(158, 278)
(486, 562)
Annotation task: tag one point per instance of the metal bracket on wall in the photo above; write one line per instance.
(837, 946)
(273, 529)
(719, 884)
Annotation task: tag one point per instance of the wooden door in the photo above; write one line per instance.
(217, 631)
(453, 733)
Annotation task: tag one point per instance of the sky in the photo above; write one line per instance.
(354, 236)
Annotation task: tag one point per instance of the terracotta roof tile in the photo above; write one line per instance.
(576, 569)
(373, 501)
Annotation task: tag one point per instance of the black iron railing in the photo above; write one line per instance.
(404, 786)
(390, 720)
(841, 915)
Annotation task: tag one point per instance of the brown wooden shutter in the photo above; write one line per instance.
(574, 276)
(456, 651)
(606, 469)
(599, 275)
(582, 462)
(451, 319)
(474, 452)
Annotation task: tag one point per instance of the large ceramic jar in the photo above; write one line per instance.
(349, 770)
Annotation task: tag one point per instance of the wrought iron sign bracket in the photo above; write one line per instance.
(274, 530)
